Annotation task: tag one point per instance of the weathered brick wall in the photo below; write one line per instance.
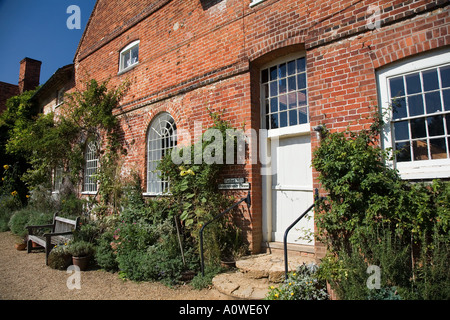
(198, 54)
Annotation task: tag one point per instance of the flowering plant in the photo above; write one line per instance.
(302, 284)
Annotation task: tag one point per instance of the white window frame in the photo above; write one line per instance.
(91, 162)
(60, 97)
(303, 128)
(57, 178)
(161, 137)
(123, 53)
(255, 2)
(419, 169)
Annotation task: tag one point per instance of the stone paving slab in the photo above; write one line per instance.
(255, 274)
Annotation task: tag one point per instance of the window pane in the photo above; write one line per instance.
(430, 80)
(301, 65)
(301, 79)
(283, 102)
(420, 150)
(283, 119)
(274, 121)
(292, 86)
(126, 58)
(301, 97)
(282, 85)
(401, 130)
(273, 88)
(273, 104)
(445, 77)
(433, 101)
(135, 54)
(293, 117)
(267, 105)
(415, 105)
(292, 100)
(447, 118)
(435, 126)
(404, 153)
(399, 108)
(273, 73)
(264, 76)
(418, 128)
(413, 83)
(397, 88)
(282, 70)
(291, 67)
(446, 95)
(438, 149)
(303, 115)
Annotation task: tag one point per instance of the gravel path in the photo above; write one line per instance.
(25, 276)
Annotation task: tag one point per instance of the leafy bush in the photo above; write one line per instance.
(28, 216)
(195, 198)
(372, 217)
(105, 255)
(60, 257)
(8, 204)
(303, 284)
(147, 243)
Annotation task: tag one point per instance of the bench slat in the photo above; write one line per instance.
(65, 220)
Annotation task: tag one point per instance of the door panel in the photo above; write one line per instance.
(292, 188)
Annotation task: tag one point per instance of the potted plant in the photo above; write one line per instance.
(21, 243)
(81, 252)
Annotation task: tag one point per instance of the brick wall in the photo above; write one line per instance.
(197, 54)
(7, 91)
(29, 74)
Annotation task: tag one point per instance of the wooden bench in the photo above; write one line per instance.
(61, 231)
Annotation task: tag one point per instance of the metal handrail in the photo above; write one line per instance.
(286, 267)
(247, 199)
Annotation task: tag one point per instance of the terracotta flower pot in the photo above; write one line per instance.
(81, 262)
(20, 246)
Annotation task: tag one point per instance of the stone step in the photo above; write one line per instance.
(237, 285)
(255, 274)
(270, 266)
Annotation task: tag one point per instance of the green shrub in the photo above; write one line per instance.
(303, 284)
(60, 257)
(372, 217)
(19, 221)
(105, 255)
(29, 216)
(8, 204)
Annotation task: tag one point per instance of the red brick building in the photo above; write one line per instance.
(282, 65)
(29, 74)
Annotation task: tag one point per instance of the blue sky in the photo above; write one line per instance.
(38, 29)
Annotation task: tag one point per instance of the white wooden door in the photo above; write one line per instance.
(292, 189)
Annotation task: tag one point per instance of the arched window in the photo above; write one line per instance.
(161, 137)
(90, 167)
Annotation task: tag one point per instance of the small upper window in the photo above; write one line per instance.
(129, 56)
